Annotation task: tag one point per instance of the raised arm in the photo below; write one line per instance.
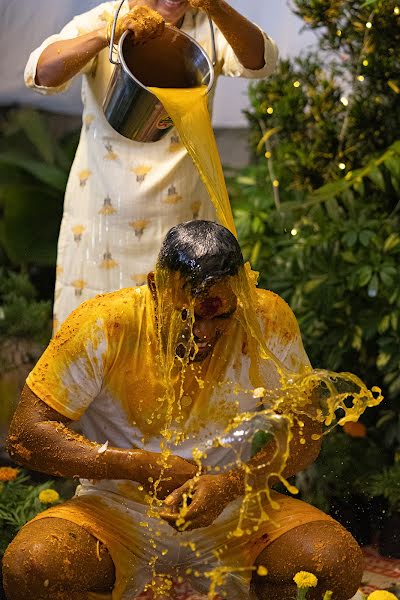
(40, 438)
(245, 38)
(60, 61)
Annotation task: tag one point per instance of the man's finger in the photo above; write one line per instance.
(177, 496)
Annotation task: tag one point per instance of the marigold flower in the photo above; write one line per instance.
(355, 430)
(303, 579)
(8, 473)
(49, 496)
(381, 595)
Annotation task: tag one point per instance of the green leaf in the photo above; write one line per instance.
(29, 228)
(365, 237)
(364, 275)
(37, 130)
(312, 284)
(392, 241)
(373, 286)
(349, 257)
(255, 252)
(375, 175)
(48, 174)
(350, 238)
(392, 163)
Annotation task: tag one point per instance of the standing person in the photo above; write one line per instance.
(123, 196)
(169, 366)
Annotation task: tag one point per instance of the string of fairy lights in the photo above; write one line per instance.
(346, 100)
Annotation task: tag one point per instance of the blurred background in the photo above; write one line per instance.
(312, 162)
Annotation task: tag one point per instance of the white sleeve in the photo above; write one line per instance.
(81, 24)
(231, 65)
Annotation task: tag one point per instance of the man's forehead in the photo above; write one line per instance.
(181, 289)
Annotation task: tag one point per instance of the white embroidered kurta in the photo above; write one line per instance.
(123, 196)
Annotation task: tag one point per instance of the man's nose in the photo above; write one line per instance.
(202, 329)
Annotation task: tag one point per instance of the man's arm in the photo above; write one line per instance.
(60, 61)
(39, 438)
(241, 34)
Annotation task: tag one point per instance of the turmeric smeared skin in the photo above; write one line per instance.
(40, 439)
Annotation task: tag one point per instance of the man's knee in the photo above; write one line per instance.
(323, 548)
(25, 566)
(54, 554)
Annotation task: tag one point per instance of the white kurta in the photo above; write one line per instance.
(123, 196)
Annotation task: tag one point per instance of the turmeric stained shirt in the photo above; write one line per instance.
(101, 368)
(123, 196)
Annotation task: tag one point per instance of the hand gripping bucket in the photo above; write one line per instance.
(172, 60)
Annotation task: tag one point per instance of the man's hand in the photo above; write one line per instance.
(142, 21)
(205, 498)
(162, 476)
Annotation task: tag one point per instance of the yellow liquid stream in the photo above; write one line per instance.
(188, 109)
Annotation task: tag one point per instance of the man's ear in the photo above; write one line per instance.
(151, 282)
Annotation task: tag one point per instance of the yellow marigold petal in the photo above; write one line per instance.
(49, 496)
(8, 473)
(382, 595)
(304, 579)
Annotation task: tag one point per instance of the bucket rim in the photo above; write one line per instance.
(173, 28)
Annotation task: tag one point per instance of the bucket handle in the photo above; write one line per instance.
(112, 38)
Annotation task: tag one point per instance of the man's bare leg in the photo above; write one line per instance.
(323, 548)
(54, 558)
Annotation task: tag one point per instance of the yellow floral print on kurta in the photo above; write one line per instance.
(107, 208)
(173, 197)
(78, 231)
(141, 171)
(139, 226)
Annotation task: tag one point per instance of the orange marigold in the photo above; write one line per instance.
(355, 430)
(8, 473)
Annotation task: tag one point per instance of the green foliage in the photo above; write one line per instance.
(354, 459)
(19, 503)
(21, 313)
(318, 213)
(34, 166)
(386, 484)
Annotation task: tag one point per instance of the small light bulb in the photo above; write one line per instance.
(275, 183)
(338, 33)
(368, 25)
(365, 63)
(341, 166)
(296, 84)
(396, 10)
(294, 232)
(270, 110)
(361, 78)
(268, 154)
(344, 101)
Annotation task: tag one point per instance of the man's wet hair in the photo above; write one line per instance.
(202, 251)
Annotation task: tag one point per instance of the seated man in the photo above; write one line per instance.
(153, 374)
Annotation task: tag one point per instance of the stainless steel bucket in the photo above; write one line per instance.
(173, 60)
